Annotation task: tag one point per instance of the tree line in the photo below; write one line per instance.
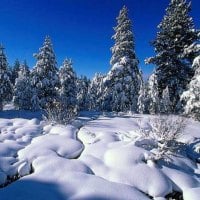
(173, 87)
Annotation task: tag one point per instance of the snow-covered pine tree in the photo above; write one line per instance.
(25, 66)
(165, 106)
(153, 94)
(5, 83)
(15, 71)
(143, 99)
(35, 102)
(176, 31)
(124, 39)
(64, 108)
(191, 97)
(9, 70)
(122, 82)
(193, 50)
(95, 92)
(23, 92)
(45, 74)
(82, 92)
(68, 90)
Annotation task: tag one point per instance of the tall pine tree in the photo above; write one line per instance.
(165, 102)
(15, 71)
(5, 83)
(153, 95)
(23, 92)
(95, 92)
(122, 82)
(25, 67)
(45, 74)
(82, 93)
(68, 90)
(143, 99)
(64, 108)
(176, 31)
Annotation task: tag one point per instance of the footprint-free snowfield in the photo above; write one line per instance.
(80, 123)
(97, 157)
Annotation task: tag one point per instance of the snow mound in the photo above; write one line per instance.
(51, 145)
(125, 164)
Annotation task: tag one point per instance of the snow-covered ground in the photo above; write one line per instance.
(97, 157)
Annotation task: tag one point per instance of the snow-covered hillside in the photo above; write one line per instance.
(97, 157)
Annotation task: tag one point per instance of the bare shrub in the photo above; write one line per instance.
(58, 112)
(165, 131)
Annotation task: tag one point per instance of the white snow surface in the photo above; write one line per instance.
(95, 158)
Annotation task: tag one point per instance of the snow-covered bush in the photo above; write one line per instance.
(164, 132)
(58, 112)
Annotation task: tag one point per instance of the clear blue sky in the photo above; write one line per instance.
(80, 29)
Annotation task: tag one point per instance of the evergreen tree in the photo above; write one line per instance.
(143, 99)
(122, 82)
(124, 39)
(5, 84)
(176, 31)
(64, 108)
(191, 97)
(35, 102)
(165, 102)
(153, 95)
(95, 92)
(193, 50)
(82, 92)
(25, 67)
(9, 70)
(23, 92)
(15, 71)
(44, 74)
(68, 90)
